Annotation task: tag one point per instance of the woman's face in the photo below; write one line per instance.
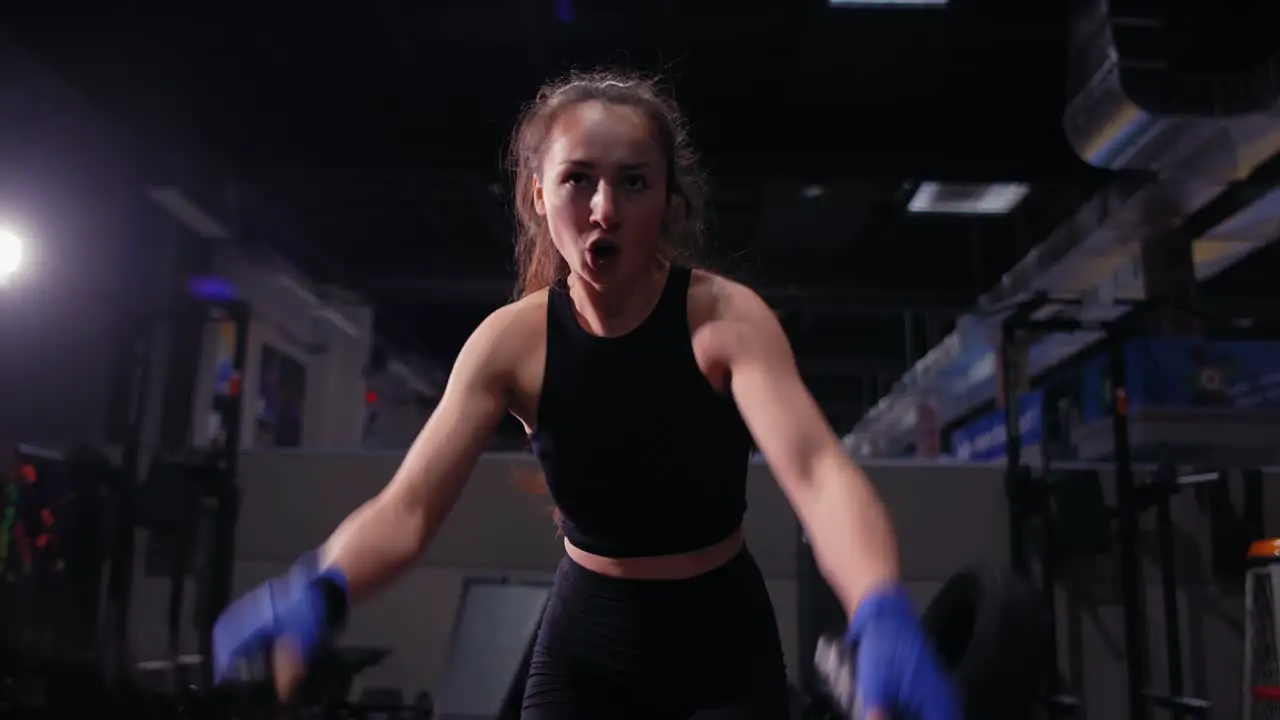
(602, 191)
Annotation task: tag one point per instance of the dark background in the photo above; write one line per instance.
(363, 141)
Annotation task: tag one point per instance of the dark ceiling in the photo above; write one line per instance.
(365, 139)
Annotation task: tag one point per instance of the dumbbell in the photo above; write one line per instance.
(251, 684)
(991, 632)
(837, 669)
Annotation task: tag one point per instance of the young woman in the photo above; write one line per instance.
(642, 382)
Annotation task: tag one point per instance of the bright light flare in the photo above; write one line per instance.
(10, 255)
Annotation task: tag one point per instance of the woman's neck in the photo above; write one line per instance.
(620, 308)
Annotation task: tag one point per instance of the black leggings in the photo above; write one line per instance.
(705, 648)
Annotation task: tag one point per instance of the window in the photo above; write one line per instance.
(282, 385)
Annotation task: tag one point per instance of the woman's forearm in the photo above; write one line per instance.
(375, 544)
(849, 530)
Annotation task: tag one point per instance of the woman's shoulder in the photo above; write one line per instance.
(508, 332)
(713, 295)
(518, 318)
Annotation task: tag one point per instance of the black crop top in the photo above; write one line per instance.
(641, 454)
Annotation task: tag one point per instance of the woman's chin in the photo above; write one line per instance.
(600, 274)
(602, 265)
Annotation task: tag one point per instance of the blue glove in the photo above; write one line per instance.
(897, 672)
(305, 605)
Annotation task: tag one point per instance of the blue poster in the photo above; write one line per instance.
(1184, 374)
(984, 438)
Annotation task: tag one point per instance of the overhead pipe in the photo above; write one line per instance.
(1183, 162)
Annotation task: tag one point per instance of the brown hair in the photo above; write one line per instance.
(533, 482)
(538, 263)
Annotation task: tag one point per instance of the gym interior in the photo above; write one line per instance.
(1045, 335)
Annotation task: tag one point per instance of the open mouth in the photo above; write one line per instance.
(602, 250)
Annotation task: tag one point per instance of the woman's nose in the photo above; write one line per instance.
(603, 207)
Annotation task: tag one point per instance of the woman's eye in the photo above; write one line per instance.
(636, 182)
(575, 179)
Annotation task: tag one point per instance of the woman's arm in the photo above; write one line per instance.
(847, 525)
(384, 536)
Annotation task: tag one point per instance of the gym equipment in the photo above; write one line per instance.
(835, 667)
(68, 674)
(1073, 519)
(490, 649)
(51, 525)
(1232, 532)
(1027, 500)
(1042, 503)
(174, 505)
(224, 455)
(52, 521)
(1031, 499)
(324, 692)
(1070, 511)
(990, 631)
(104, 491)
(989, 626)
(1156, 494)
(1261, 636)
(221, 458)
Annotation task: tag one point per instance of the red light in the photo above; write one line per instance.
(370, 397)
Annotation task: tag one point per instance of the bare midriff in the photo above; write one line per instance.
(678, 566)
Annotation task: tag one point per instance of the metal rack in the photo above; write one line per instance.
(222, 460)
(1030, 499)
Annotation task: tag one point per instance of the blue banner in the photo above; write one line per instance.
(1184, 374)
(985, 439)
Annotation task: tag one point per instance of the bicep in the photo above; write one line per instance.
(785, 421)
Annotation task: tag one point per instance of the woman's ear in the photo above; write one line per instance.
(539, 206)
